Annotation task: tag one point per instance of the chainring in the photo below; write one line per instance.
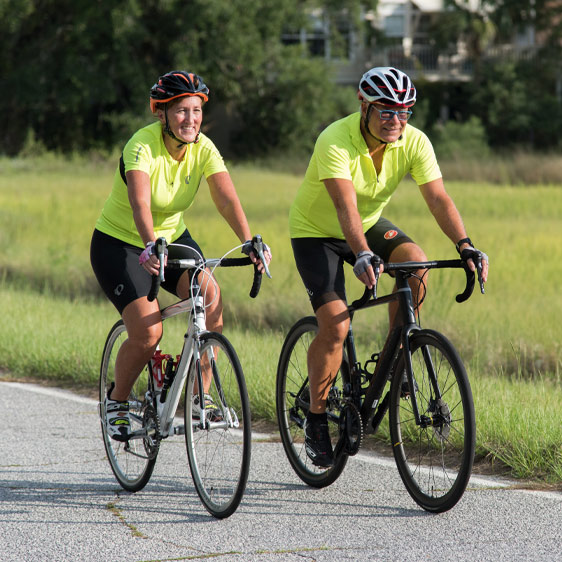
(151, 423)
(351, 427)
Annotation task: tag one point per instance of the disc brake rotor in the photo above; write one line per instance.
(442, 415)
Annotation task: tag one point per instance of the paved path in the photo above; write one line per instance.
(60, 502)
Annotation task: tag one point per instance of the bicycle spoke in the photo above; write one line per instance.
(219, 454)
(131, 462)
(435, 458)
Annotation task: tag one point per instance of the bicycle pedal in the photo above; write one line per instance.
(179, 429)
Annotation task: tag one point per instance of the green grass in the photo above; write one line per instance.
(509, 338)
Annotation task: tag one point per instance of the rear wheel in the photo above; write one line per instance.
(219, 446)
(132, 462)
(435, 458)
(293, 402)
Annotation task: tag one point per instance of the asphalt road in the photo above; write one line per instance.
(60, 502)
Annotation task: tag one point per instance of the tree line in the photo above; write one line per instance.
(76, 74)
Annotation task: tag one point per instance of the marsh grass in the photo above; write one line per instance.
(56, 319)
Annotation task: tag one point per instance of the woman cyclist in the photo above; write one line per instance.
(157, 180)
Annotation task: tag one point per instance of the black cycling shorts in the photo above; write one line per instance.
(320, 260)
(122, 278)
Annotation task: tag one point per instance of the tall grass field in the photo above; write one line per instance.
(55, 318)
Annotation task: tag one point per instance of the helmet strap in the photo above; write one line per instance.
(366, 124)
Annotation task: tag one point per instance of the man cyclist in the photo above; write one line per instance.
(356, 166)
(158, 177)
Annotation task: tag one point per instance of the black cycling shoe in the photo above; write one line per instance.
(317, 443)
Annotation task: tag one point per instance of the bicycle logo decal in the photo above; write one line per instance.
(390, 234)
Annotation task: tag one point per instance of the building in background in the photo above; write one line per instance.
(401, 33)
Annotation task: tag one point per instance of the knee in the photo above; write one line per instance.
(147, 340)
(333, 335)
(408, 252)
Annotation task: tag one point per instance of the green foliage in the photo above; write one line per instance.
(458, 141)
(77, 74)
(291, 110)
(80, 72)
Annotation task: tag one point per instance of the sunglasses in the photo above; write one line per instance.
(388, 114)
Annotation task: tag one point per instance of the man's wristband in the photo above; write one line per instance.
(461, 242)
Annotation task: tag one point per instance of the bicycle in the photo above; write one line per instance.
(431, 410)
(218, 444)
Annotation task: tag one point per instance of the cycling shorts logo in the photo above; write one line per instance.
(119, 289)
(390, 234)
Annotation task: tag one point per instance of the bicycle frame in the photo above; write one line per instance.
(195, 307)
(196, 325)
(372, 410)
(432, 446)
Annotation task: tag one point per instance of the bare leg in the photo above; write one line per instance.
(325, 352)
(408, 252)
(144, 331)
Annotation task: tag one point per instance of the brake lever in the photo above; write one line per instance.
(377, 269)
(479, 272)
(257, 242)
(161, 252)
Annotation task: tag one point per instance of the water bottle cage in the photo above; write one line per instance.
(368, 369)
(157, 366)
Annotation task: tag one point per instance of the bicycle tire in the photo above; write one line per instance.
(219, 457)
(435, 461)
(132, 463)
(292, 376)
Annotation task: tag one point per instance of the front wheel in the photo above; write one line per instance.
(218, 438)
(434, 458)
(132, 462)
(292, 399)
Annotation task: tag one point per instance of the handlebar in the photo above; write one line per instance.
(411, 266)
(198, 263)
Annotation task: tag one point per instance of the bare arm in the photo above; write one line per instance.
(228, 204)
(344, 198)
(443, 209)
(447, 216)
(140, 193)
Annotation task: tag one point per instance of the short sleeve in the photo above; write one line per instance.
(137, 155)
(214, 162)
(333, 160)
(424, 166)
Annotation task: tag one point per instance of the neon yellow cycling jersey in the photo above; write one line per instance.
(341, 152)
(174, 184)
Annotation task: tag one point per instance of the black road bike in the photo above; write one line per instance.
(428, 397)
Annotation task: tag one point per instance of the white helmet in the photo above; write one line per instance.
(387, 85)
